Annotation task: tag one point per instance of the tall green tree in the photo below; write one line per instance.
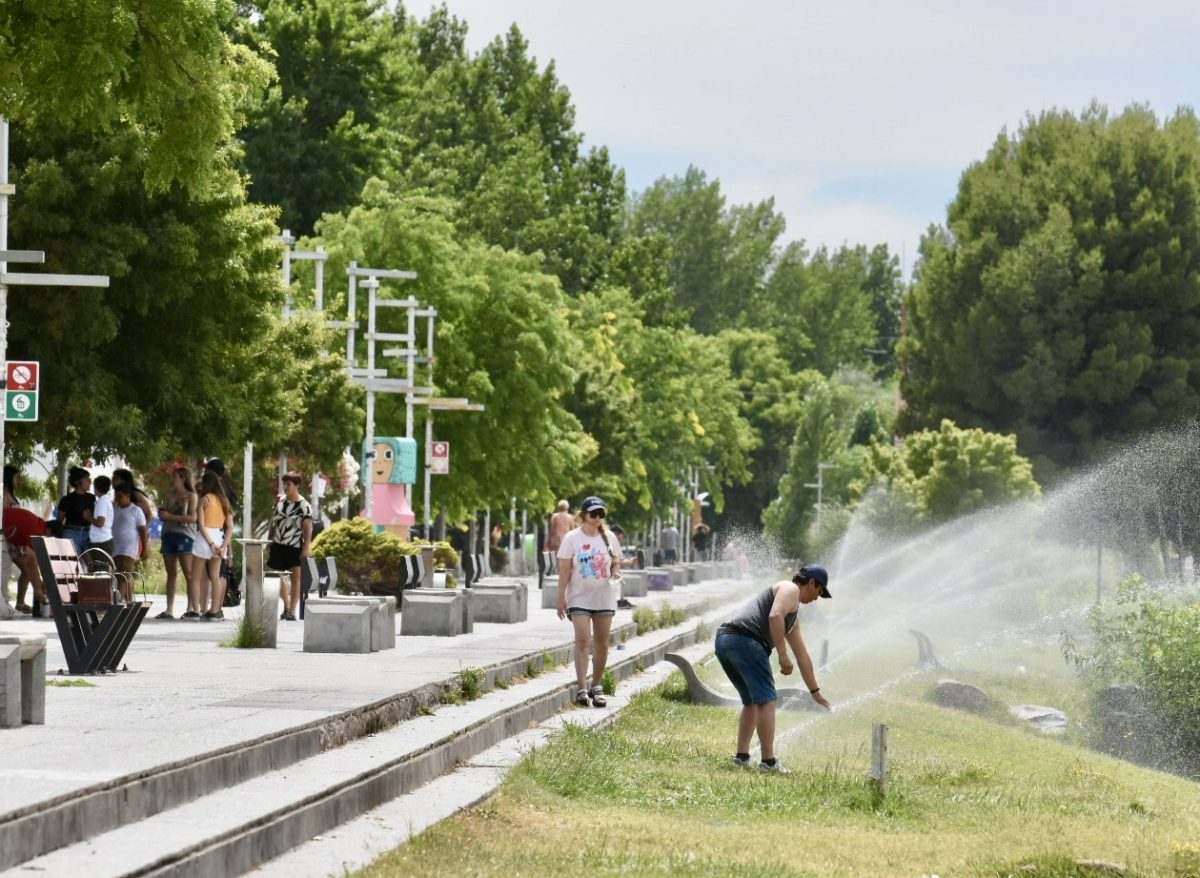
(314, 138)
(719, 255)
(165, 67)
(503, 340)
(823, 307)
(185, 352)
(1061, 301)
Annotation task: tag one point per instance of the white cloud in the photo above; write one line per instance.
(797, 96)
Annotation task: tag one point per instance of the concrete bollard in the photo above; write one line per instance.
(22, 679)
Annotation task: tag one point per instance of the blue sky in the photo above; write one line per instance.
(857, 117)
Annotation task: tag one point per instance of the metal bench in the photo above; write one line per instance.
(94, 637)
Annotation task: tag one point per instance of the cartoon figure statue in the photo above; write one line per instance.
(392, 470)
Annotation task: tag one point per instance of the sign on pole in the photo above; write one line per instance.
(21, 390)
(439, 458)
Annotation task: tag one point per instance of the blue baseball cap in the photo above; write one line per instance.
(817, 572)
(591, 503)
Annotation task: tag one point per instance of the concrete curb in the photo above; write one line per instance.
(41, 829)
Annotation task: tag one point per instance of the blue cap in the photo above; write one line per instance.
(590, 503)
(817, 572)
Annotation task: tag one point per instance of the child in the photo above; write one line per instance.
(100, 535)
(131, 536)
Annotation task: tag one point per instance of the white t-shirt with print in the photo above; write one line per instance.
(126, 521)
(102, 509)
(591, 586)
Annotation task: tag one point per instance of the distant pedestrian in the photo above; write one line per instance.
(589, 565)
(214, 530)
(668, 541)
(744, 645)
(629, 560)
(100, 534)
(12, 478)
(20, 527)
(701, 538)
(291, 538)
(561, 524)
(130, 536)
(75, 508)
(178, 514)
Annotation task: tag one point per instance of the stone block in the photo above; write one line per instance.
(383, 619)
(636, 583)
(10, 686)
(550, 594)
(659, 578)
(338, 626)
(433, 612)
(679, 576)
(499, 601)
(31, 690)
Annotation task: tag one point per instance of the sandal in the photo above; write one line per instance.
(581, 698)
(598, 699)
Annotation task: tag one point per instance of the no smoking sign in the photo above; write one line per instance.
(21, 375)
(21, 390)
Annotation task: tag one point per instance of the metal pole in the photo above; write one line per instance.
(429, 425)
(4, 190)
(411, 367)
(321, 279)
(368, 453)
(247, 495)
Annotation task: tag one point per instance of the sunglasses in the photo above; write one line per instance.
(597, 513)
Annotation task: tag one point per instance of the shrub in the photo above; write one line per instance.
(1148, 639)
(367, 561)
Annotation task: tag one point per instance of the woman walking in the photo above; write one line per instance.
(589, 564)
(178, 513)
(215, 527)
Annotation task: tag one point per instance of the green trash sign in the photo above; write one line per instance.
(21, 390)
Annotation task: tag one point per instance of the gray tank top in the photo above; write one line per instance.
(752, 620)
(177, 505)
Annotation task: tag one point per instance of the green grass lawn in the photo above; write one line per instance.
(968, 795)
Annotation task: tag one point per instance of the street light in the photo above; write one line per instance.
(819, 484)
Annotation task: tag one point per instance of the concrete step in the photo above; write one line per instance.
(245, 809)
(357, 843)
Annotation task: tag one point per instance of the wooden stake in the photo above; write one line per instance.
(879, 747)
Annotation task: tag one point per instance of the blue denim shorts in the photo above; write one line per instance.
(580, 611)
(747, 663)
(174, 543)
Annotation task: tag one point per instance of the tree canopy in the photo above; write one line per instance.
(1061, 302)
(166, 69)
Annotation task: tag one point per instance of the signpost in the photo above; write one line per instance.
(439, 463)
(21, 391)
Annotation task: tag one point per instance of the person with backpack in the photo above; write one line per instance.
(589, 582)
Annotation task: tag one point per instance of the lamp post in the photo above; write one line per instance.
(819, 484)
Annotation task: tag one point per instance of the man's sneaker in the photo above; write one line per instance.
(739, 762)
(777, 768)
(288, 616)
(191, 616)
(623, 604)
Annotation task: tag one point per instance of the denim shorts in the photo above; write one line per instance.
(175, 543)
(747, 663)
(581, 611)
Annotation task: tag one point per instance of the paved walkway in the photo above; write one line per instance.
(184, 695)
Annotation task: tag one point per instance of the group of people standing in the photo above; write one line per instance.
(110, 517)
